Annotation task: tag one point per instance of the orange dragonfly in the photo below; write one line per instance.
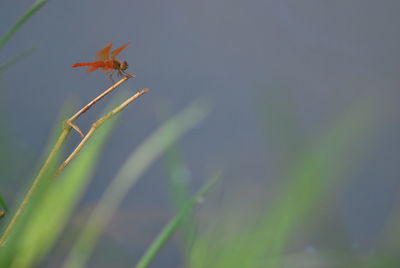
(107, 61)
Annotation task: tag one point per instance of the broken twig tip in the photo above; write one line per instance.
(76, 128)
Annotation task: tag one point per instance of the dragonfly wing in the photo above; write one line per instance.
(118, 50)
(104, 53)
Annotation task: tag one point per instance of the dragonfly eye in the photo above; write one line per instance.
(124, 65)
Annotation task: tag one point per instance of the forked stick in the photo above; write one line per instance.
(70, 121)
(98, 123)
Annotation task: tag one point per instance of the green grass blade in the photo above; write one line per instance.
(9, 252)
(34, 8)
(178, 177)
(260, 243)
(152, 148)
(175, 223)
(282, 125)
(337, 153)
(3, 204)
(16, 59)
(178, 185)
(56, 204)
(55, 133)
(178, 181)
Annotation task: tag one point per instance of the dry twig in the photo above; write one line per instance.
(70, 121)
(97, 124)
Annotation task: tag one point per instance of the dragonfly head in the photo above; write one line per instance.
(124, 65)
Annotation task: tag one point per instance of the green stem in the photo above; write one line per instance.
(35, 7)
(173, 225)
(52, 156)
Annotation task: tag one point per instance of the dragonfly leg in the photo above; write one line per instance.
(111, 77)
(127, 74)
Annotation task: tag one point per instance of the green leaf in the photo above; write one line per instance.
(16, 59)
(175, 223)
(20, 221)
(261, 239)
(34, 8)
(178, 181)
(3, 204)
(55, 205)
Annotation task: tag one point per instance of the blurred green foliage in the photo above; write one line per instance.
(245, 235)
(31, 11)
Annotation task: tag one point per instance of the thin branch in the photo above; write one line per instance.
(97, 124)
(70, 121)
(102, 95)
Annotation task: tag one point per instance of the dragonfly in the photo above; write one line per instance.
(106, 60)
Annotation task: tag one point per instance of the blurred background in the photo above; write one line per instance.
(304, 112)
